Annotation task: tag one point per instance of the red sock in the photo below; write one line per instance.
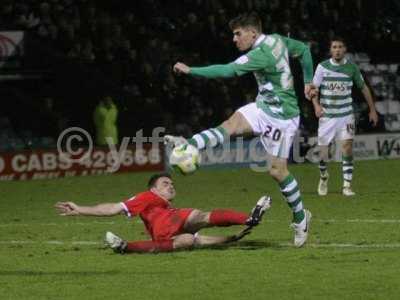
(149, 246)
(227, 217)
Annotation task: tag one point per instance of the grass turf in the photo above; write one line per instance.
(352, 251)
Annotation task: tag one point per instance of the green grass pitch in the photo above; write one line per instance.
(352, 252)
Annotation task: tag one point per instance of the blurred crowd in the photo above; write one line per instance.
(131, 47)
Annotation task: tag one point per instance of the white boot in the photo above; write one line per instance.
(176, 141)
(302, 229)
(323, 185)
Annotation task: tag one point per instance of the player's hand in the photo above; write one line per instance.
(373, 117)
(240, 235)
(319, 112)
(181, 68)
(310, 91)
(67, 208)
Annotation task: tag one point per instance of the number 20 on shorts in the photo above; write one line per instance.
(273, 133)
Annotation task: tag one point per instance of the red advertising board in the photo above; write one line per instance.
(49, 164)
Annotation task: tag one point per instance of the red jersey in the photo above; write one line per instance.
(162, 221)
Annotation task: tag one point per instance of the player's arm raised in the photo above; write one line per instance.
(252, 61)
(212, 71)
(301, 51)
(103, 209)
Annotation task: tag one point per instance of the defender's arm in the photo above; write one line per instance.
(103, 209)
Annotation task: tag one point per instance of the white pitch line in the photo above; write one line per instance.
(390, 221)
(373, 221)
(346, 245)
(61, 224)
(289, 245)
(14, 242)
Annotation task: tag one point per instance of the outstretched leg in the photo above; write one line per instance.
(148, 246)
(182, 241)
(218, 217)
(235, 125)
(226, 217)
(207, 240)
(179, 242)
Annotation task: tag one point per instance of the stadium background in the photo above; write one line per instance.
(76, 52)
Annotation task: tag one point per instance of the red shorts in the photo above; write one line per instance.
(170, 224)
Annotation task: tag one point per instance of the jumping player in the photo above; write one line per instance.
(274, 116)
(170, 228)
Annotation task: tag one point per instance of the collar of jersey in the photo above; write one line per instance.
(260, 39)
(343, 62)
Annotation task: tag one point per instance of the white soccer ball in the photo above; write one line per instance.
(185, 159)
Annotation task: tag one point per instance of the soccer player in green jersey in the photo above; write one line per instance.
(274, 115)
(334, 78)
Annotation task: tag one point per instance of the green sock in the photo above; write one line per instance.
(210, 137)
(290, 190)
(323, 169)
(347, 169)
(298, 216)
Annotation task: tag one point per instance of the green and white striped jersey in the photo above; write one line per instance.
(335, 82)
(269, 62)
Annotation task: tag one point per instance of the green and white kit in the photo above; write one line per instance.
(335, 82)
(275, 113)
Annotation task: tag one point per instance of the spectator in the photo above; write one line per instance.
(105, 120)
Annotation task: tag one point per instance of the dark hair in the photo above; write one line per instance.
(153, 179)
(337, 39)
(246, 20)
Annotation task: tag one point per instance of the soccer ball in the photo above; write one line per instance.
(185, 159)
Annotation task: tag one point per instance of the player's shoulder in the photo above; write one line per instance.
(270, 40)
(325, 63)
(260, 53)
(275, 35)
(264, 49)
(350, 63)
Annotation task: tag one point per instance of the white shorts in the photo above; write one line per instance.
(340, 129)
(276, 135)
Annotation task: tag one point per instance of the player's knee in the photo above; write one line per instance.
(204, 217)
(229, 126)
(278, 172)
(233, 125)
(323, 152)
(274, 172)
(347, 147)
(184, 241)
(200, 216)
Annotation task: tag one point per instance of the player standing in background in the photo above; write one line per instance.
(170, 228)
(334, 78)
(274, 115)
